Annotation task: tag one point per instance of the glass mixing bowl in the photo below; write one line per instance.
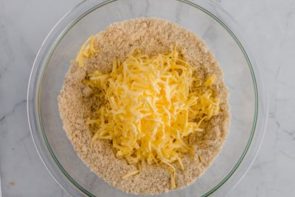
(206, 19)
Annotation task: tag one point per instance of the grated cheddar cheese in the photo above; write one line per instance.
(88, 50)
(152, 105)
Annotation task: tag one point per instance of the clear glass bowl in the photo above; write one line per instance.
(206, 19)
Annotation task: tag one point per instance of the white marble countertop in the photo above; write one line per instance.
(269, 26)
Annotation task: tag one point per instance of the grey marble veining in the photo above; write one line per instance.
(270, 31)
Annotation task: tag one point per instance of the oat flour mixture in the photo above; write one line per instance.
(81, 99)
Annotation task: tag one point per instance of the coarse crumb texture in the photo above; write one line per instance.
(151, 36)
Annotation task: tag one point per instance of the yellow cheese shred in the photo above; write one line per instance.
(152, 105)
(88, 50)
(126, 176)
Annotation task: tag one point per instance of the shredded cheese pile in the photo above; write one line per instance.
(151, 106)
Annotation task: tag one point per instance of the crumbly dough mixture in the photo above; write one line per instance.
(75, 103)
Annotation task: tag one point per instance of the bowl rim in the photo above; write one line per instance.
(73, 16)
